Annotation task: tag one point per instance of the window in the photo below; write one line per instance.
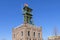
(20, 39)
(34, 39)
(34, 34)
(21, 33)
(38, 39)
(28, 39)
(14, 35)
(28, 33)
(39, 35)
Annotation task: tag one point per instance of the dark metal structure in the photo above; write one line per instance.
(27, 14)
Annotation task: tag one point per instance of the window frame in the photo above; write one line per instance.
(28, 33)
(34, 34)
(21, 33)
(38, 35)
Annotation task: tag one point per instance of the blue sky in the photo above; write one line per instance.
(46, 13)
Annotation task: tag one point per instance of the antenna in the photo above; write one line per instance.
(55, 31)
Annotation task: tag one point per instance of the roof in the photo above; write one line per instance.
(26, 25)
(53, 37)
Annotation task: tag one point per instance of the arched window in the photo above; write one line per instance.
(39, 35)
(21, 33)
(34, 34)
(20, 39)
(28, 33)
(14, 35)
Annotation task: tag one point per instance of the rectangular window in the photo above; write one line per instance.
(39, 35)
(21, 33)
(28, 33)
(34, 34)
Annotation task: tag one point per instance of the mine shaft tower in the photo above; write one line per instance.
(27, 14)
